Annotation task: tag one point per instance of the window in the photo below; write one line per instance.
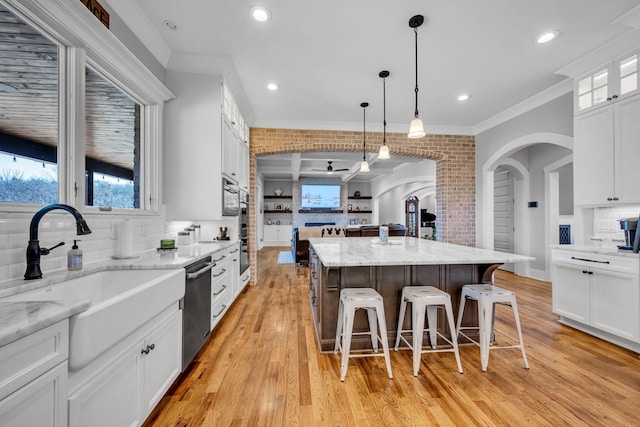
(593, 89)
(29, 103)
(112, 150)
(629, 74)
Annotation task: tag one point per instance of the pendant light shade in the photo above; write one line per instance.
(383, 154)
(364, 165)
(416, 129)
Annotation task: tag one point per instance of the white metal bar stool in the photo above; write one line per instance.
(352, 299)
(426, 300)
(487, 296)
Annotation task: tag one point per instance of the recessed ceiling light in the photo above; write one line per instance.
(547, 37)
(260, 14)
(170, 24)
(463, 97)
(272, 86)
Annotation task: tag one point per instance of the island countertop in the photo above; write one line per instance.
(367, 251)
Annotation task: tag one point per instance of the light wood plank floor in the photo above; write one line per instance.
(262, 367)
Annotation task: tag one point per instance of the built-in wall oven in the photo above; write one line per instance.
(230, 200)
(243, 234)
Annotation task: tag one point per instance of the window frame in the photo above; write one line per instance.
(84, 41)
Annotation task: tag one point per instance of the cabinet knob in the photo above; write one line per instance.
(152, 346)
(591, 272)
(614, 96)
(615, 198)
(609, 98)
(609, 199)
(584, 271)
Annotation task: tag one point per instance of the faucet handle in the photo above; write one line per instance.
(45, 251)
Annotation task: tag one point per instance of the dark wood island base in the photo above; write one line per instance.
(326, 282)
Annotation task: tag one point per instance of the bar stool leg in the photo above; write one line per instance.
(432, 319)
(463, 299)
(514, 307)
(383, 337)
(485, 318)
(403, 308)
(339, 327)
(418, 328)
(373, 328)
(346, 341)
(452, 329)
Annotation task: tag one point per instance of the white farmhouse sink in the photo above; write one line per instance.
(121, 302)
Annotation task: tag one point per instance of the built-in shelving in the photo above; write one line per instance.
(360, 198)
(280, 211)
(360, 211)
(279, 197)
(320, 211)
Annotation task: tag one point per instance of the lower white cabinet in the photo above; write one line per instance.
(33, 379)
(601, 292)
(277, 235)
(127, 389)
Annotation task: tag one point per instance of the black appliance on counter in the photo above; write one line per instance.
(243, 235)
(631, 236)
(196, 309)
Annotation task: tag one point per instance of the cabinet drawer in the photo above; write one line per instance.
(23, 360)
(219, 307)
(220, 288)
(610, 262)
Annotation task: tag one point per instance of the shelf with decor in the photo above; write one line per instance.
(278, 211)
(360, 211)
(278, 197)
(360, 198)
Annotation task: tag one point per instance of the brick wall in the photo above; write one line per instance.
(455, 170)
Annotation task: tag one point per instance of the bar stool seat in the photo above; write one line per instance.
(352, 299)
(425, 300)
(488, 296)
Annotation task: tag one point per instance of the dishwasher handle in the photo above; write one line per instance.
(208, 266)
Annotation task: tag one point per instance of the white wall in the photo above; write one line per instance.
(550, 122)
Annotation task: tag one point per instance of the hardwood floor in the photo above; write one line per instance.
(261, 367)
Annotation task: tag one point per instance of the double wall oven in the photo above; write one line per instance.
(243, 234)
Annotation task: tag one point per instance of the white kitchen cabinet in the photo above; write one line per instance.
(243, 166)
(277, 235)
(601, 292)
(571, 292)
(33, 378)
(608, 83)
(124, 392)
(230, 150)
(192, 147)
(606, 149)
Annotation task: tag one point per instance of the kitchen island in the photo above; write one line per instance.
(352, 262)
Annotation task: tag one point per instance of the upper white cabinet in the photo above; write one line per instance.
(606, 149)
(203, 129)
(613, 81)
(192, 163)
(235, 156)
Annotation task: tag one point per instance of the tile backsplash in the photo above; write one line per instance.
(606, 225)
(56, 227)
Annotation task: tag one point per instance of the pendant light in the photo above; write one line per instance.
(383, 154)
(364, 165)
(416, 129)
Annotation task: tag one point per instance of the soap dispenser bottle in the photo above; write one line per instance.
(74, 257)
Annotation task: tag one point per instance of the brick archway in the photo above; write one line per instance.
(455, 171)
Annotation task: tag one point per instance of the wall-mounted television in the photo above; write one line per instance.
(320, 196)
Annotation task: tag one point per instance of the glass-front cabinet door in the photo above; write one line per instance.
(609, 83)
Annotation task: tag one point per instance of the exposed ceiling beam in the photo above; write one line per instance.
(296, 160)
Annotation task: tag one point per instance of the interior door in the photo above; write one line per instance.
(503, 214)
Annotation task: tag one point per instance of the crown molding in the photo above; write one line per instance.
(529, 104)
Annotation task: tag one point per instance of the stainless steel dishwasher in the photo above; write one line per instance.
(196, 309)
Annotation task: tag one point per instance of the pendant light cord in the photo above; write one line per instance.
(364, 133)
(415, 31)
(384, 111)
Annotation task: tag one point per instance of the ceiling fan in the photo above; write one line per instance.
(330, 169)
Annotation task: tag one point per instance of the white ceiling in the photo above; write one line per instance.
(326, 55)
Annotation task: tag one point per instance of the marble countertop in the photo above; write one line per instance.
(18, 319)
(367, 251)
(598, 249)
